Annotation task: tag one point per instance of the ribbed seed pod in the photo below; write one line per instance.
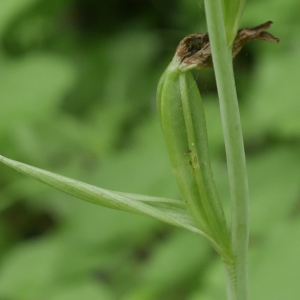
(183, 123)
(184, 127)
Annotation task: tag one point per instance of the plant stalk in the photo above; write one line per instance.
(236, 274)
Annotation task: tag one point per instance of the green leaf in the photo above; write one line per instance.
(167, 210)
(10, 9)
(232, 11)
(274, 263)
(32, 89)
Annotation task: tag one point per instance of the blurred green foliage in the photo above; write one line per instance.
(77, 87)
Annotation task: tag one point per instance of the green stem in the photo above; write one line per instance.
(237, 275)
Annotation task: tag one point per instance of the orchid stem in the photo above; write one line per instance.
(236, 274)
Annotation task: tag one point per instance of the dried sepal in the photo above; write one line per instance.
(194, 51)
(256, 33)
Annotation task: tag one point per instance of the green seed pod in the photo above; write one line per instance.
(184, 127)
(183, 123)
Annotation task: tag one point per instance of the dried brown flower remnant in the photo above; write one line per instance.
(194, 50)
